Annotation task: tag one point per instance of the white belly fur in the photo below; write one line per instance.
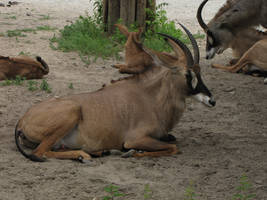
(70, 140)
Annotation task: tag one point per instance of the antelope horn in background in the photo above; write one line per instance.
(199, 16)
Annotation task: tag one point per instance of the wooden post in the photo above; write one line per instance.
(113, 14)
(105, 14)
(129, 11)
(141, 12)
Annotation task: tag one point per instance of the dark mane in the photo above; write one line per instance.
(228, 5)
(123, 78)
(116, 81)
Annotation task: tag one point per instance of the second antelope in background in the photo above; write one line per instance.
(232, 21)
(22, 66)
(133, 113)
(248, 44)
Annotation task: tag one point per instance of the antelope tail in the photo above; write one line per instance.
(20, 134)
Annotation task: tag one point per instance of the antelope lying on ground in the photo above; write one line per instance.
(137, 60)
(256, 56)
(235, 17)
(23, 66)
(132, 113)
(248, 44)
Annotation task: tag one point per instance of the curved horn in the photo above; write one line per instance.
(199, 16)
(194, 44)
(187, 52)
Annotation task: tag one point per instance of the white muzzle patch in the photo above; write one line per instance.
(208, 101)
(265, 80)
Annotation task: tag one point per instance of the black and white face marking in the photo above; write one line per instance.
(198, 90)
(211, 46)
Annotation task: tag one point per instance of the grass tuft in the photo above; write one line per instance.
(86, 35)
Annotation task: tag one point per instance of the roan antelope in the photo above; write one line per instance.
(132, 113)
(22, 66)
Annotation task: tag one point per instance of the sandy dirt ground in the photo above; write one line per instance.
(218, 145)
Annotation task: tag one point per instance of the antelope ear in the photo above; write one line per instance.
(123, 29)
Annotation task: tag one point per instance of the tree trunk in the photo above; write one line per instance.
(141, 12)
(128, 11)
(113, 14)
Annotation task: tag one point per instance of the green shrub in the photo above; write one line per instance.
(86, 35)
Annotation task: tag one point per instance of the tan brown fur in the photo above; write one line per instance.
(133, 113)
(136, 60)
(232, 28)
(22, 66)
(256, 55)
(228, 5)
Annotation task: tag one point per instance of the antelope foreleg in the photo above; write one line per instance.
(77, 155)
(152, 147)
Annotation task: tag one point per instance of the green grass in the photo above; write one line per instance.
(17, 81)
(45, 28)
(70, 86)
(20, 32)
(45, 17)
(112, 192)
(11, 17)
(45, 86)
(190, 193)
(32, 85)
(243, 191)
(15, 33)
(22, 53)
(87, 38)
(147, 192)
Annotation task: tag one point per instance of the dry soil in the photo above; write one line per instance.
(219, 145)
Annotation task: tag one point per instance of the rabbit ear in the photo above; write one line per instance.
(123, 29)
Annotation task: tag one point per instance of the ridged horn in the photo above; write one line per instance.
(189, 57)
(194, 44)
(199, 16)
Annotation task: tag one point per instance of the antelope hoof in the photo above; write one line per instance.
(116, 152)
(128, 154)
(37, 158)
(84, 161)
